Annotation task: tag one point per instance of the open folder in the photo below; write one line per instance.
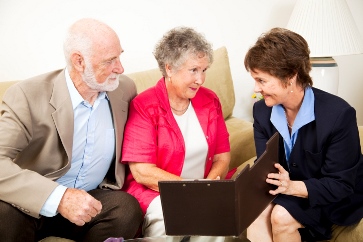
(219, 207)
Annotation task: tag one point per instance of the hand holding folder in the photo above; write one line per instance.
(219, 207)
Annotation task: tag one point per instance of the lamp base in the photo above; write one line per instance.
(325, 74)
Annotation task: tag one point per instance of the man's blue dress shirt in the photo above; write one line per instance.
(93, 147)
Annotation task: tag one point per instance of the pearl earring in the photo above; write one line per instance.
(291, 87)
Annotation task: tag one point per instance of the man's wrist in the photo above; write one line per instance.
(50, 206)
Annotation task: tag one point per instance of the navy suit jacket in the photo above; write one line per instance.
(326, 156)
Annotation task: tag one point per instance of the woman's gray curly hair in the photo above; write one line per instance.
(178, 44)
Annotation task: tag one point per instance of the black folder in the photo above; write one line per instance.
(219, 207)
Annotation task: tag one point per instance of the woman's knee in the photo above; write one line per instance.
(262, 221)
(266, 214)
(281, 219)
(153, 225)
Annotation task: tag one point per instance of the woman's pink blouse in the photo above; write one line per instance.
(153, 136)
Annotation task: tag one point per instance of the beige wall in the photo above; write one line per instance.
(32, 33)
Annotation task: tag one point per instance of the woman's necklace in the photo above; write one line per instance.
(180, 110)
(288, 125)
(287, 121)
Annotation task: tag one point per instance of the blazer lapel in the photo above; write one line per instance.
(119, 112)
(63, 114)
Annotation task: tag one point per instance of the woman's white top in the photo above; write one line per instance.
(196, 146)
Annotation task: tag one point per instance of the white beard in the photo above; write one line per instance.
(110, 84)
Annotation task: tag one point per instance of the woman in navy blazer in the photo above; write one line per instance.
(319, 180)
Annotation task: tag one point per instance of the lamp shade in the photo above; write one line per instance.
(328, 27)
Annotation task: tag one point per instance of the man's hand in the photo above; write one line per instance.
(78, 206)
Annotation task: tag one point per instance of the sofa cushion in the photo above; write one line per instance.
(4, 86)
(250, 162)
(353, 233)
(241, 141)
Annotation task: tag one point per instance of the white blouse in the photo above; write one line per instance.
(196, 146)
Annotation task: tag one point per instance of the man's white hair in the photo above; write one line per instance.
(80, 37)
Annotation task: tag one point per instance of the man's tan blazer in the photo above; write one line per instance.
(36, 137)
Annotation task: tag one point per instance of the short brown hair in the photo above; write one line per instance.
(281, 53)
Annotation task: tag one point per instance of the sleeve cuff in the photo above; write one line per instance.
(50, 206)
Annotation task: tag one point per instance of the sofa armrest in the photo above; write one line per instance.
(4, 86)
(241, 140)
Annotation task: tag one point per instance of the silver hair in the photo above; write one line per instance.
(178, 44)
(76, 41)
(80, 38)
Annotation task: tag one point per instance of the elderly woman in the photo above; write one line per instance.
(175, 129)
(319, 179)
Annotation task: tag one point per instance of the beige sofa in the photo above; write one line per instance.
(219, 79)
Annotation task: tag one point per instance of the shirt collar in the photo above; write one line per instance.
(304, 116)
(306, 113)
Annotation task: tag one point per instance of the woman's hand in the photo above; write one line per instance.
(281, 180)
(220, 166)
(285, 185)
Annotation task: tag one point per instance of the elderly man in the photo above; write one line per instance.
(60, 146)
